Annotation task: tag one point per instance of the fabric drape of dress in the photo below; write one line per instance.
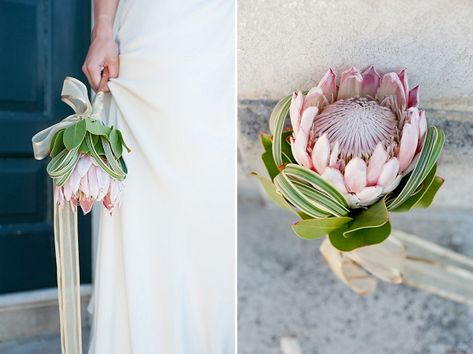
(164, 279)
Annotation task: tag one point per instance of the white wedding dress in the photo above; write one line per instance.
(165, 275)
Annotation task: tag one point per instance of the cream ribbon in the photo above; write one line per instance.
(407, 259)
(385, 261)
(74, 93)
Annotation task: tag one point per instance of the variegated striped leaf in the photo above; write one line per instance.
(318, 183)
(297, 198)
(433, 143)
(276, 125)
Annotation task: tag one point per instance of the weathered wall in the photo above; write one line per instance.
(285, 45)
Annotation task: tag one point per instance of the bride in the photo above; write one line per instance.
(164, 281)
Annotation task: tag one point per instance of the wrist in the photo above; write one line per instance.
(103, 27)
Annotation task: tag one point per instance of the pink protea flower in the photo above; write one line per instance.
(362, 136)
(87, 184)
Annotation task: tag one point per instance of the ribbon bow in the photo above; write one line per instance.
(385, 261)
(74, 93)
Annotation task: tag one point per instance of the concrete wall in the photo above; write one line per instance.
(285, 45)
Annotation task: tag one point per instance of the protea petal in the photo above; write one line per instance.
(335, 177)
(83, 165)
(403, 77)
(352, 200)
(314, 98)
(369, 194)
(393, 185)
(413, 98)
(299, 144)
(114, 190)
(411, 165)
(299, 150)
(370, 83)
(107, 202)
(355, 175)
(58, 196)
(376, 163)
(103, 180)
(295, 110)
(307, 119)
(74, 181)
(67, 190)
(84, 186)
(328, 85)
(333, 162)
(388, 173)
(391, 85)
(321, 154)
(74, 203)
(414, 117)
(408, 145)
(86, 204)
(93, 182)
(350, 84)
(422, 124)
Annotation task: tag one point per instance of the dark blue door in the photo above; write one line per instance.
(41, 41)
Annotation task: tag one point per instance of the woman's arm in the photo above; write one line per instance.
(103, 51)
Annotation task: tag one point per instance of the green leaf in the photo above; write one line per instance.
(290, 191)
(375, 216)
(112, 161)
(123, 140)
(74, 135)
(286, 147)
(61, 166)
(268, 162)
(432, 146)
(123, 165)
(273, 194)
(429, 195)
(57, 144)
(116, 143)
(111, 169)
(267, 156)
(97, 127)
(418, 195)
(276, 125)
(266, 141)
(98, 145)
(369, 226)
(319, 184)
(314, 228)
(83, 148)
(366, 237)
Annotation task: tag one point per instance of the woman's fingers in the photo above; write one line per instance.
(95, 72)
(103, 81)
(103, 53)
(113, 67)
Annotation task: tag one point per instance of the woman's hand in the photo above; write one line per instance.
(103, 53)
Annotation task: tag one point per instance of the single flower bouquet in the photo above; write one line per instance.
(354, 153)
(87, 162)
(86, 165)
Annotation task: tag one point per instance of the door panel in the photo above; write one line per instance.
(41, 42)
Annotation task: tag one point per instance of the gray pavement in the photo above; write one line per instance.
(48, 344)
(286, 290)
